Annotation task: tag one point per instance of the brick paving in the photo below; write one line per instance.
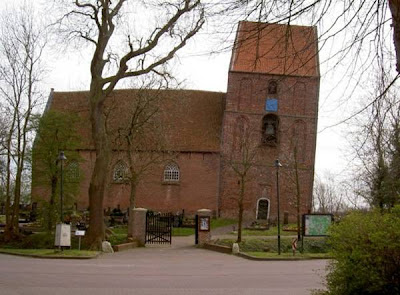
(177, 269)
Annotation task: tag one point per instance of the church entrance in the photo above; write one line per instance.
(263, 209)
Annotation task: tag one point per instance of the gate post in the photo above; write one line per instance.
(204, 226)
(138, 220)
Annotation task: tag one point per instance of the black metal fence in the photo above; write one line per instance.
(158, 228)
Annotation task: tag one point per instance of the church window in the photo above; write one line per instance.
(72, 173)
(171, 172)
(272, 87)
(270, 130)
(120, 172)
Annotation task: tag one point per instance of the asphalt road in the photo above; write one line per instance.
(169, 270)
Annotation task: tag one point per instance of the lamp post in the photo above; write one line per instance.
(277, 165)
(61, 158)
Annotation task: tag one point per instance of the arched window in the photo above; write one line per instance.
(120, 172)
(270, 126)
(171, 172)
(72, 173)
(272, 87)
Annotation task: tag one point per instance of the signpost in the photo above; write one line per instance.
(80, 234)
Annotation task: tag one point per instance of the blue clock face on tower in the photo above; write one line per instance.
(271, 105)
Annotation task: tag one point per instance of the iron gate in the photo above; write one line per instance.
(158, 228)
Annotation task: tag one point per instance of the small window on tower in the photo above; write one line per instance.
(272, 87)
(270, 130)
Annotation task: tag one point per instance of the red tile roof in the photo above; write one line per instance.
(191, 120)
(275, 49)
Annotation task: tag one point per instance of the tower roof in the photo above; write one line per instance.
(275, 49)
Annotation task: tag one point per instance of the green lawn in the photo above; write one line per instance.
(219, 222)
(272, 231)
(50, 252)
(119, 230)
(274, 255)
(270, 245)
(182, 231)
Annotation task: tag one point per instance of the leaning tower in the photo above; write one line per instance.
(271, 113)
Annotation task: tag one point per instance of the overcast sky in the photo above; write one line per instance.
(70, 71)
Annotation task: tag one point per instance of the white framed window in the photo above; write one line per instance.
(171, 172)
(120, 172)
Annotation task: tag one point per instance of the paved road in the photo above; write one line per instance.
(173, 270)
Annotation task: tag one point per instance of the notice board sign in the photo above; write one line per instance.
(204, 223)
(316, 225)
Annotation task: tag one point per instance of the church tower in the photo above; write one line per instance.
(271, 113)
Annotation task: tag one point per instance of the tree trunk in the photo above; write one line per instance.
(99, 175)
(8, 229)
(9, 225)
(50, 211)
(240, 203)
(132, 204)
(17, 199)
(395, 10)
(296, 171)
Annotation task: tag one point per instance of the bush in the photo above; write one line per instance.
(366, 249)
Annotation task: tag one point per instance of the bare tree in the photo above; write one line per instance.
(21, 48)
(375, 142)
(328, 195)
(355, 38)
(241, 158)
(97, 23)
(354, 22)
(141, 135)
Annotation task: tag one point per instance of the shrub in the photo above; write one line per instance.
(366, 249)
(38, 241)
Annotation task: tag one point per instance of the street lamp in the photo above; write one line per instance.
(277, 165)
(61, 158)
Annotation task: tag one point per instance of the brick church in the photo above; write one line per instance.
(269, 112)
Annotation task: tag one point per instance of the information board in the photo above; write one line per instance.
(204, 223)
(316, 224)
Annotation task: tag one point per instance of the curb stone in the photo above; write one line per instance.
(247, 256)
(51, 257)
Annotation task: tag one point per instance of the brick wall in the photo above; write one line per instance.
(297, 112)
(197, 188)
